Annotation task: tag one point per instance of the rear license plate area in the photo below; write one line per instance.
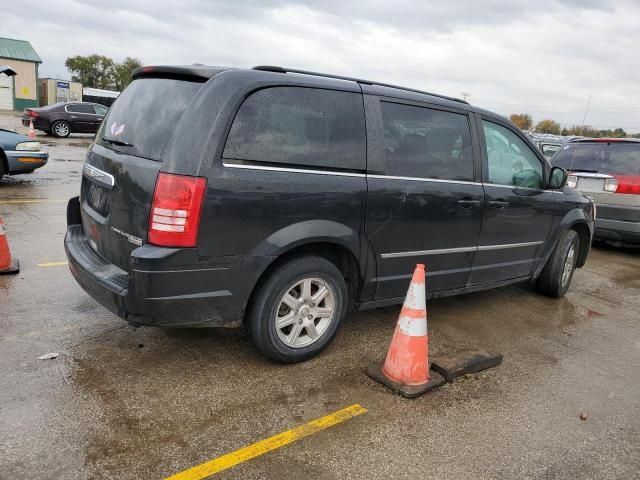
(590, 184)
(98, 198)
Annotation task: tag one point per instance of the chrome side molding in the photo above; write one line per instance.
(441, 251)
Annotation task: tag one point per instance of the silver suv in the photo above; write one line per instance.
(608, 170)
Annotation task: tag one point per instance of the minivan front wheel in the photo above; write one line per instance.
(556, 276)
(297, 311)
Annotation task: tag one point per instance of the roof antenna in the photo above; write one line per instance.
(584, 119)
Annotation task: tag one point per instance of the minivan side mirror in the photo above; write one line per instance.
(557, 177)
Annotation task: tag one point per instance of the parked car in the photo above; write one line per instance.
(548, 144)
(62, 119)
(282, 198)
(607, 169)
(19, 154)
(550, 147)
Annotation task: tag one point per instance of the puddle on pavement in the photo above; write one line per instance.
(628, 277)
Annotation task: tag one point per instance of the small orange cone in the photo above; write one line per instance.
(7, 264)
(406, 367)
(32, 131)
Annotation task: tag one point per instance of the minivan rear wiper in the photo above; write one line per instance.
(117, 142)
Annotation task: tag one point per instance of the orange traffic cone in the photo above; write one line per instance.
(32, 132)
(7, 264)
(406, 367)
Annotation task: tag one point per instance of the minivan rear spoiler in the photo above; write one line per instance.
(198, 73)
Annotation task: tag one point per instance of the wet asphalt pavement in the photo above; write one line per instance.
(125, 403)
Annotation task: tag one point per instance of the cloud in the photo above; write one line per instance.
(543, 57)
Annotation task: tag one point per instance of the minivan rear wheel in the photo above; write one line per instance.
(297, 310)
(556, 276)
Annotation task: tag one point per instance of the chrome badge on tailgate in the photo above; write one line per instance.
(93, 173)
(132, 239)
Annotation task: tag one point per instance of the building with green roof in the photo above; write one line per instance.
(21, 91)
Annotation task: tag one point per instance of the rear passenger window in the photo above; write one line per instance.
(426, 143)
(300, 127)
(100, 110)
(80, 108)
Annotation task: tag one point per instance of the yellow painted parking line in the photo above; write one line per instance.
(5, 201)
(263, 446)
(53, 264)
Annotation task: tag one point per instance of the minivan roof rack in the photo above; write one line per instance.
(271, 68)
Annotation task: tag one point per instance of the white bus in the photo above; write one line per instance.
(96, 95)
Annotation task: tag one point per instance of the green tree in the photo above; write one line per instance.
(588, 131)
(548, 126)
(619, 133)
(522, 120)
(122, 73)
(574, 130)
(94, 70)
(98, 71)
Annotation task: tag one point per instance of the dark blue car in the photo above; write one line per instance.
(18, 153)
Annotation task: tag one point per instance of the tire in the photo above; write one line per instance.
(2, 163)
(60, 129)
(307, 328)
(555, 279)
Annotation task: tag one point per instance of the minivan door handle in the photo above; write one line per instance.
(468, 203)
(499, 203)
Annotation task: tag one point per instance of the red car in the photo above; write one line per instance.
(62, 119)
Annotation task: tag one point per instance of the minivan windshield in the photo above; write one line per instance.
(142, 120)
(600, 157)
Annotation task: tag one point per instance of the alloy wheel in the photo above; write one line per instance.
(304, 312)
(61, 129)
(568, 265)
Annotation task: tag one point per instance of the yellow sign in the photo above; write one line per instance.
(25, 91)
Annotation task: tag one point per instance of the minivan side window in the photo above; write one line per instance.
(510, 160)
(426, 143)
(301, 127)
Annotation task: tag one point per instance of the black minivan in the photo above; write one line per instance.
(281, 198)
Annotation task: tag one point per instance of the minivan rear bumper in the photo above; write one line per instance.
(165, 286)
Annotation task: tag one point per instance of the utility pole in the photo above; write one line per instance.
(465, 95)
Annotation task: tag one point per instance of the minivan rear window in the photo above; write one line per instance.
(600, 157)
(300, 126)
(142, 120)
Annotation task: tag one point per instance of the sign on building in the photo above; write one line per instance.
(62, 92)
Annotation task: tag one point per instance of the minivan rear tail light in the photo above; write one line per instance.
(175, 211)
(628, 184)
(610, 185)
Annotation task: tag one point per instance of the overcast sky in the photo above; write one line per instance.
(542, 57)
